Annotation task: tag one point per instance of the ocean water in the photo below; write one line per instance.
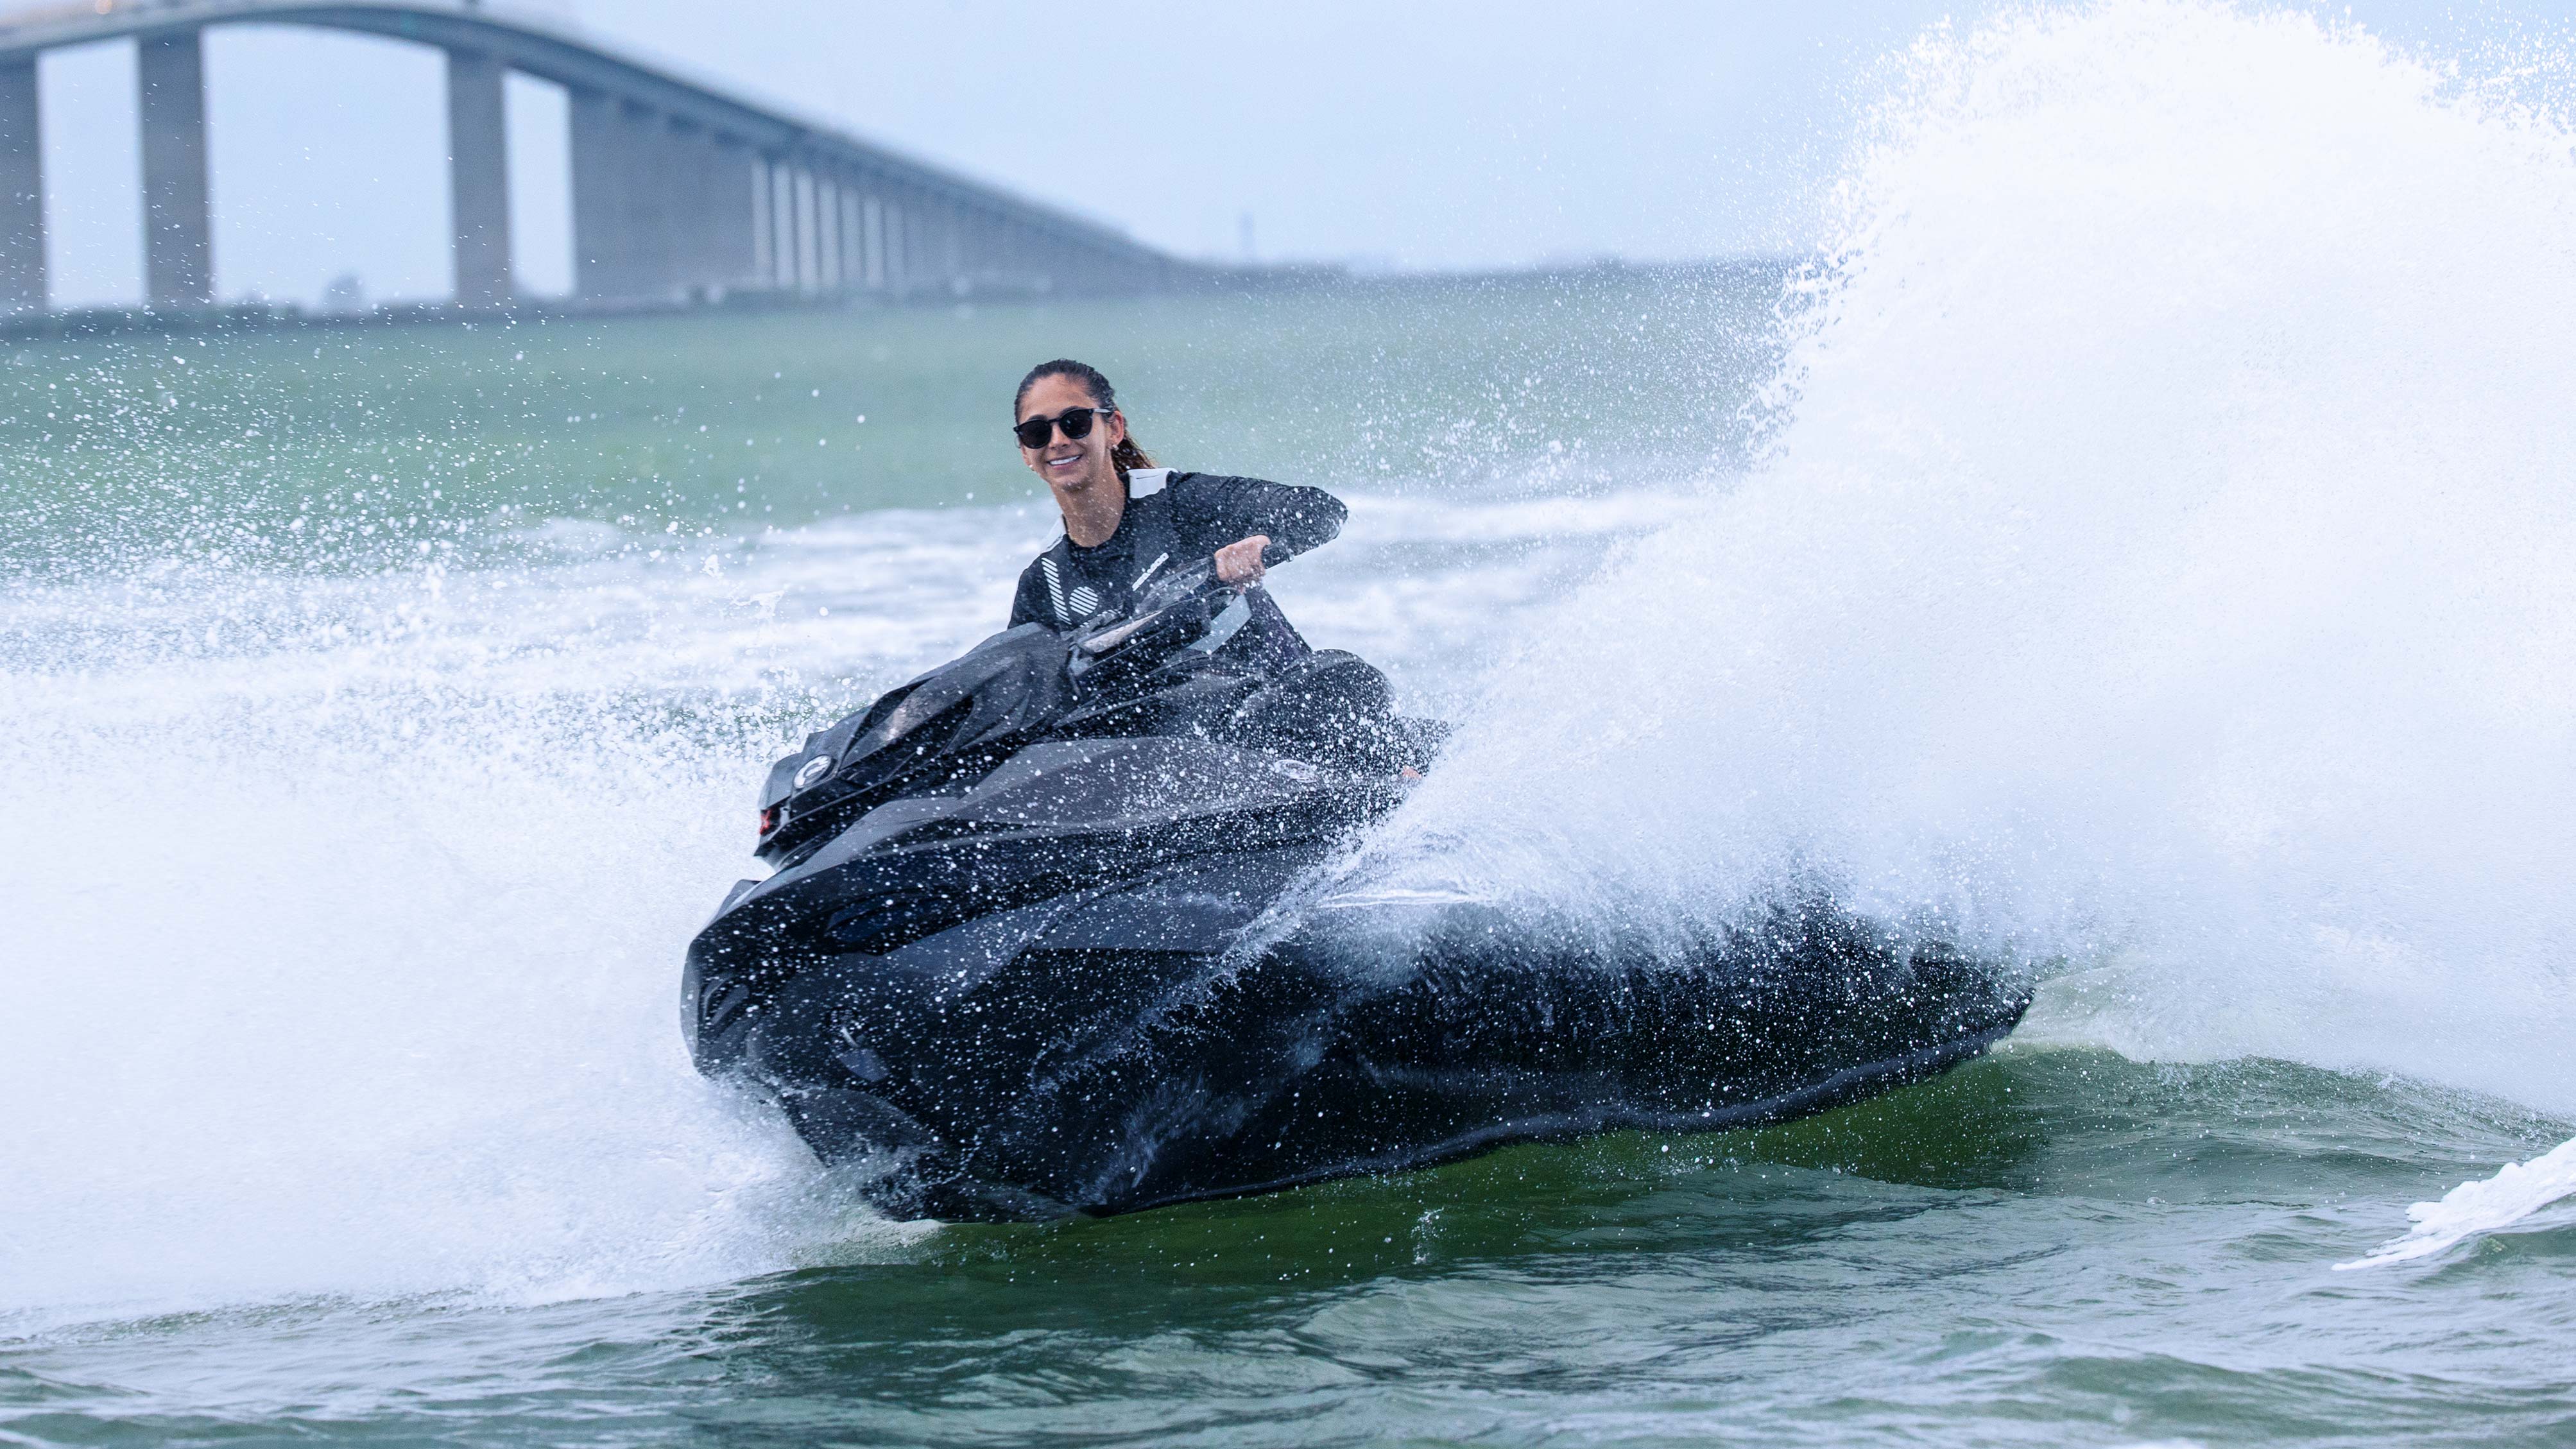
(2136, 546)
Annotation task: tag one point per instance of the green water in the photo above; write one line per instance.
(2049, 1247)
(357, 444)
(350, 866)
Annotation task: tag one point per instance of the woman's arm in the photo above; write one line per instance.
(1029, 603)
(1213, 510)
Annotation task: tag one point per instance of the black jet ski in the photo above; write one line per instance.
(1053, 929)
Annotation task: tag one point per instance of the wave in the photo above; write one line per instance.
(2474, 1209)
(2157, 567)
(351, 908)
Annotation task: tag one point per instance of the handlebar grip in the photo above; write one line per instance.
(1275, 554)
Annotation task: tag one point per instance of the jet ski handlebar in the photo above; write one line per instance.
(1166, 611)
(961, 718)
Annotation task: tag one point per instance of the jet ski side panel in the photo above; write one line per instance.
(1494, 1037)
(1108, 1077)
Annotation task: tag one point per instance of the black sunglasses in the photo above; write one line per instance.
(1076, 423)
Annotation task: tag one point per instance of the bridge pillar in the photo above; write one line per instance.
(651, 218)
(991, 253)
(999, 244)
(791, 227)
(883, 241)
(1034, 259)
(898, 240)
(921, 246)
(22, 190)
(626, 227)
(827, 231)
(698, 220)
(764, 217)
(871, 243)
(1026, 257)
(733, 201)
(871, 239)
(478, 177)
(606, 247)
(782, 224)
(928, 272)
(825, 272)
(831, 199)
(854, 237)
(965, 249)
(693, 217)
(807, 232)
(595, 181)
(178, 222)
(951, 250)
(889, 240)
(919, 273)
(868, 202)
(762, 248)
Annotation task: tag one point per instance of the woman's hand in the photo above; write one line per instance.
(1240, 562)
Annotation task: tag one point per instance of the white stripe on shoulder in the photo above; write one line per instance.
(1141, 481)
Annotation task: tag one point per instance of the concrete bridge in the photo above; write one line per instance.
(679, 190)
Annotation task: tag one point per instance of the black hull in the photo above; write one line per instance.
(1109, 1050)
(914, 1187)
(1033, 948)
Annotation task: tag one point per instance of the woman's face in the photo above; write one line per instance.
(1071, 465)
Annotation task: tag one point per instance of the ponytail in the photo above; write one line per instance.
(1127, 454)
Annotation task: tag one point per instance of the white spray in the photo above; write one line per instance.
(2162, 565)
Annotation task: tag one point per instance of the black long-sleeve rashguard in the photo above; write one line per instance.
(1204, 512)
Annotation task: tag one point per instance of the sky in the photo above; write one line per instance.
(1404, 134)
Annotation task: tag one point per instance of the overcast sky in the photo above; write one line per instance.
(1407, 133)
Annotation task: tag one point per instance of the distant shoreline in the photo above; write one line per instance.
(261, 317)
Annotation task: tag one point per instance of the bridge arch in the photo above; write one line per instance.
(680, 187)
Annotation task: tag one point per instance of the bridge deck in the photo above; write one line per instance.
(652, 148)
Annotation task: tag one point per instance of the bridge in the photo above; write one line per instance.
(680, 191)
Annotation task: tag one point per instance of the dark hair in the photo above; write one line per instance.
(1104, 397)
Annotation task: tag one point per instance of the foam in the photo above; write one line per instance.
(351, 909)
(2157, 568)
(2474, 1208)
(346, 912)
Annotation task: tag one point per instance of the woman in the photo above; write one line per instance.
(1126, 522)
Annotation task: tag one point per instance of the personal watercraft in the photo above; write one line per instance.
(1051, 929)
